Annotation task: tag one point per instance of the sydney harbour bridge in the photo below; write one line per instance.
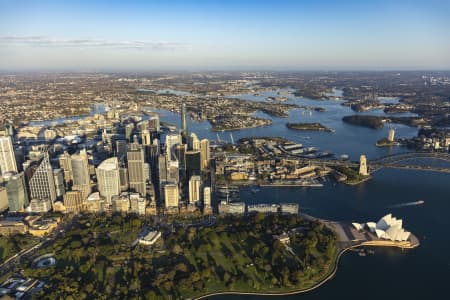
(407, 160)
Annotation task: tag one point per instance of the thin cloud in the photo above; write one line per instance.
(44, 41)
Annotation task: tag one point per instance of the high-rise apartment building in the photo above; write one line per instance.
(7, 157)
(136, 169)
(108, 178)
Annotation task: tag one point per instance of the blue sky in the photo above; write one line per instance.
(224, 35)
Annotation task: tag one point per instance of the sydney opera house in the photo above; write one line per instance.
(388, 228)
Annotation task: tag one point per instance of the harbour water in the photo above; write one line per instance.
(389, 273)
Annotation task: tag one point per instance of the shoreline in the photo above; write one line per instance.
(328, 277)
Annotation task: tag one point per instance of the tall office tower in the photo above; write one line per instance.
(41, 182)
(184, 126)
(192, 163)
(363, 165)
(123, 179)
(146, 137)
(58, 177)
(173, 171)
(121, 149)
(171, 141)
(194, 142)
(153, 123)
(108, 178)
(7, 158)
(207, 196)
(64, 163)
(391, 135)
(180, 155)
(151, 156)
(162, 168)
(17, 192)
(194, 189)
(129, 131)
(204, 154)
(3, 199)
(142, 125)
(80, 173)
(74, 202)
(171, 195)
(136, 171)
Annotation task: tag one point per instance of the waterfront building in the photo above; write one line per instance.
(171, 195)
(7, 157)
(41, 182)
(108, 178)
(205, 155)
(387, 228)
(232, 208)
(17, 192)
(81, 180)
(363, 166)
(289, 208)
(136, 169)
(194, 189)
(263, 208)
(74, 202)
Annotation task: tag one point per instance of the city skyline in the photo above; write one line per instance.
(201, 35)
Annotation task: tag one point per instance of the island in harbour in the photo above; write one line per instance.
(377, 122)
(308, 127)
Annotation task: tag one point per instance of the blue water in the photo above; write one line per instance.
(390, 273)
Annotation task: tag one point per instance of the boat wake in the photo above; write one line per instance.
(420, 202)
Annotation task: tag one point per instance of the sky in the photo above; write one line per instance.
(242, 35)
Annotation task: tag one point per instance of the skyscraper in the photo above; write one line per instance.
(204, 154)
(146, 137)
(136, 169)
(184, 126)
(64, 163)
(194, 142)
(42, 184)
(108, 178)
(80, 173)
(207, 196)
(58, 177)
(192, 163)
(194, 189)
(7, 158)
(171, 141)
(17, 192)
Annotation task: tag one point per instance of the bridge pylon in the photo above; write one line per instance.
(363, 170)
